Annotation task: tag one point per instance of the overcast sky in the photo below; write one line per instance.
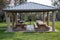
(46, 2)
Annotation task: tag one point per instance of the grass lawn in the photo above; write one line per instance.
(29, 36)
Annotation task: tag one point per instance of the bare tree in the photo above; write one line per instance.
(17, 2)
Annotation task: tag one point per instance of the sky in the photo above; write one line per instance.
(45, 2)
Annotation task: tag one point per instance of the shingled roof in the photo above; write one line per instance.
(30, 6)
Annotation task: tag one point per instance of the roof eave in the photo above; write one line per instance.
(32, 10)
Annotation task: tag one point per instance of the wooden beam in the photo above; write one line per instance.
(8, 21)
(48, 18)
(53, 21)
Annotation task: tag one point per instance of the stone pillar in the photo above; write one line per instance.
(48, 18)
(44, 17)
(53, 20)
(8, 21)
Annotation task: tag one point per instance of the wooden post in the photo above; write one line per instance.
(20, 16)
(12, 20)
(16, 20)
(53, 21)
(48, 18)
(44, 17)
(8, 21)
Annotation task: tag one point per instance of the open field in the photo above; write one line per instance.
(29, 36)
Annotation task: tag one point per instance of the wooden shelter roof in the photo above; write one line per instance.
(30, 6)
